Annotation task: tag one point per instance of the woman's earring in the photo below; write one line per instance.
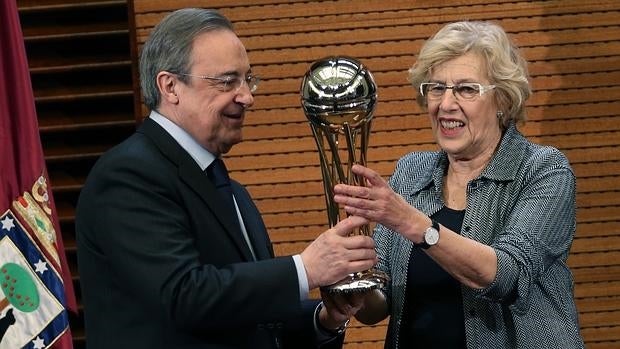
(500, 114)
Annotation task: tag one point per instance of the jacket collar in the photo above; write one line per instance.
(503, 165)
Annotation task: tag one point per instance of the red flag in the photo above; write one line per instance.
(35, 282)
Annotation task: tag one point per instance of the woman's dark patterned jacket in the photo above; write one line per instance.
(523, 205)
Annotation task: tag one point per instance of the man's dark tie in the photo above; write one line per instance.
(218, 174)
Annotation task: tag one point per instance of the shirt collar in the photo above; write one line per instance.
(202, 156)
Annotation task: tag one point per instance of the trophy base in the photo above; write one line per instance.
(359, 282)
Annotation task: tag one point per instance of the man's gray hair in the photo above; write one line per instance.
(169, 47)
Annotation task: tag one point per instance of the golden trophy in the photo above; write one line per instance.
(338, 96)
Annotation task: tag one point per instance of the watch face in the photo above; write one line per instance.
(431, 236)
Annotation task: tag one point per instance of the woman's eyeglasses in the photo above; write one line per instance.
(463, 91)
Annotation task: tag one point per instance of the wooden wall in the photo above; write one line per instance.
(573, 47)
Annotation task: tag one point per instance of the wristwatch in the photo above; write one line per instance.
(431, 235)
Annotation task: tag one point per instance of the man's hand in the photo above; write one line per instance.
(335, 254)
(338, 308)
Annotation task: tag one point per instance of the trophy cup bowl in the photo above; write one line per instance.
(338, 96)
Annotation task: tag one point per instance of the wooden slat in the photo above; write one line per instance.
(593, 274)
(366, 333)
(598, 319)
(45, 5)
(609, 334)
(377, 344)
(66, 55)
(590, 229)
(598, 244)
(598, 259)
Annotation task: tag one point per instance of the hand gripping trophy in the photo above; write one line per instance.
(338, 96)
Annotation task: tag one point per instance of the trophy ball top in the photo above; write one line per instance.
(338, 90)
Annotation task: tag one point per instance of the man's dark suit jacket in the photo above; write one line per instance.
(163, 265)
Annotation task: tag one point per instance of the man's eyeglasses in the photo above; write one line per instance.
(229, 83)
(463, 91)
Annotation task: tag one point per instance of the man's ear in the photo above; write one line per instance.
(167, 85)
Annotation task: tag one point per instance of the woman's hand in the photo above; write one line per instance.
(377, 202)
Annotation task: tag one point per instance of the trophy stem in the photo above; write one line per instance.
(333, 215)
(332, 140)
(350, 136)
(365, 132)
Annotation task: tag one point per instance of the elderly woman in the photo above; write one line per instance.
(474, 236)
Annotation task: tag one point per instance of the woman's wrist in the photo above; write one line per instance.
(416, 227)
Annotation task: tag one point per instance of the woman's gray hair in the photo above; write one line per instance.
(169, 47)
(505, 67)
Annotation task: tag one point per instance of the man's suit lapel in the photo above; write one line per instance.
(253, 222)
(190, 173)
